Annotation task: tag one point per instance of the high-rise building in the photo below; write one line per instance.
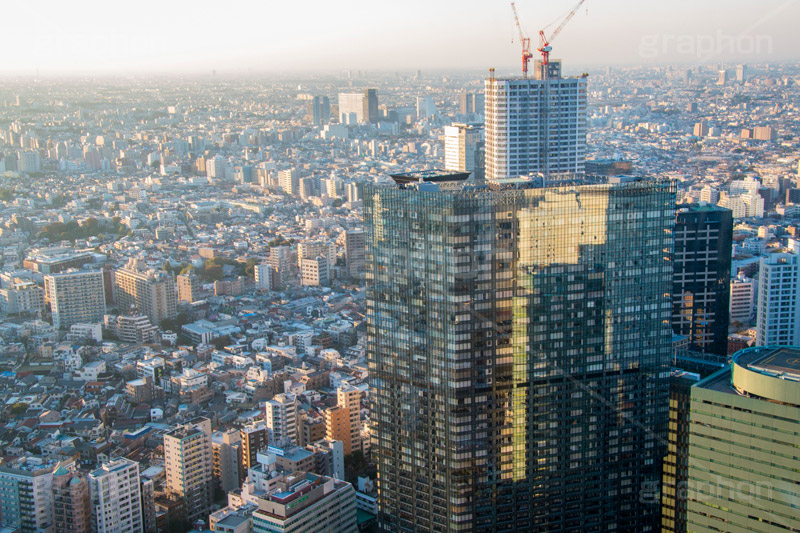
(75, 297)
(743, 292)
(518, 344)
(279, 260)
(320, 110)
(535, 126)
(254, 440)
(463, 149)
(315, 272)
(343, 421)
(744, 470)
(741, 73)
(354, 247)
(26, 495)
(303, 502)
(150, 292)
(188, 287)
(289, 181)
(357, 108)
(281, 419)
(702, 276)
(116, 497)
(263, 276)
(189, 467)
(778, 314)
(72, 509)
(226, 454)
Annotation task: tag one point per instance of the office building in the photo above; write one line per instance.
(535, 126)
(303, 503)
(289, 181)
(72, 506)
(150, 292)
(702, 273)
(75, 298)
(226, 455)
(26, 495)
(320, 110)
(116, 497)
(463, 149)
(314, 272)
(281, 420)
(743, 293)
(358, 108)
(778, 307)
(189, 467)
(518, 344)
(354, 247)
(744, 470)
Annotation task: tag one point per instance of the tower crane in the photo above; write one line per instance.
(525, 41)
(544, 41)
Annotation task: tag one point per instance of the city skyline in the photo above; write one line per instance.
(180, 38)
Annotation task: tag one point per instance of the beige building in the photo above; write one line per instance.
(116, 497)
(150, 292)
(226, 454)
(188, 287)
(189, 467)
(75, 297)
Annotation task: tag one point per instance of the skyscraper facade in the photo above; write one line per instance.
(702, 276)
(535, 126)
(518, 343)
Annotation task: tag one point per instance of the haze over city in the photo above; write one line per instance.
(91, 37)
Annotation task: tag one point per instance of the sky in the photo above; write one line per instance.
(180, 36)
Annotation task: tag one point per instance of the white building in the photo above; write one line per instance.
(281, 419)
(75, 297)
(535, 125)
(743, 293)
(463, 144)
(116, 497)
(778, 317)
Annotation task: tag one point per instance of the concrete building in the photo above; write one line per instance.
(281, 420)
(188, 287)
(743, 293)
(226, 454)
(464, 149)
(263, 276)
(744, 470)
(72, 505)
(354, 249)
(254, 440)
(150, 292)
(778, 316)
(21, 296)
(75, 298)
(701, 277)
(535, 126)
(189, 467)
(314, 272)
(116, 497)
(26, 495)
(307, 503)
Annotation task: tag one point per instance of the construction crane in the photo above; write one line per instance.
(544, 41)
(526, 43)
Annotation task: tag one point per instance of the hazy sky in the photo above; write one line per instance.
(91, 36)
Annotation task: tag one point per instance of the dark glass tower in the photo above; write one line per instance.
(519, 345)
(702, 279)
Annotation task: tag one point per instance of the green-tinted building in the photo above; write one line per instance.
(744, 445)
(519, 346)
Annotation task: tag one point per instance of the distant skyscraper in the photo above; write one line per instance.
(518, 342)
(354, 248)
(370, 104)
(744, 471)
(359, 107)
(464, 149)
(320, 110)
(701, 286)
(741, 73)
(535, 125)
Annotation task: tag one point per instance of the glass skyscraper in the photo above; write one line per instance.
(519, 344)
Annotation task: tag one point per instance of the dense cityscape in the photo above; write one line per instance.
(434, 301)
